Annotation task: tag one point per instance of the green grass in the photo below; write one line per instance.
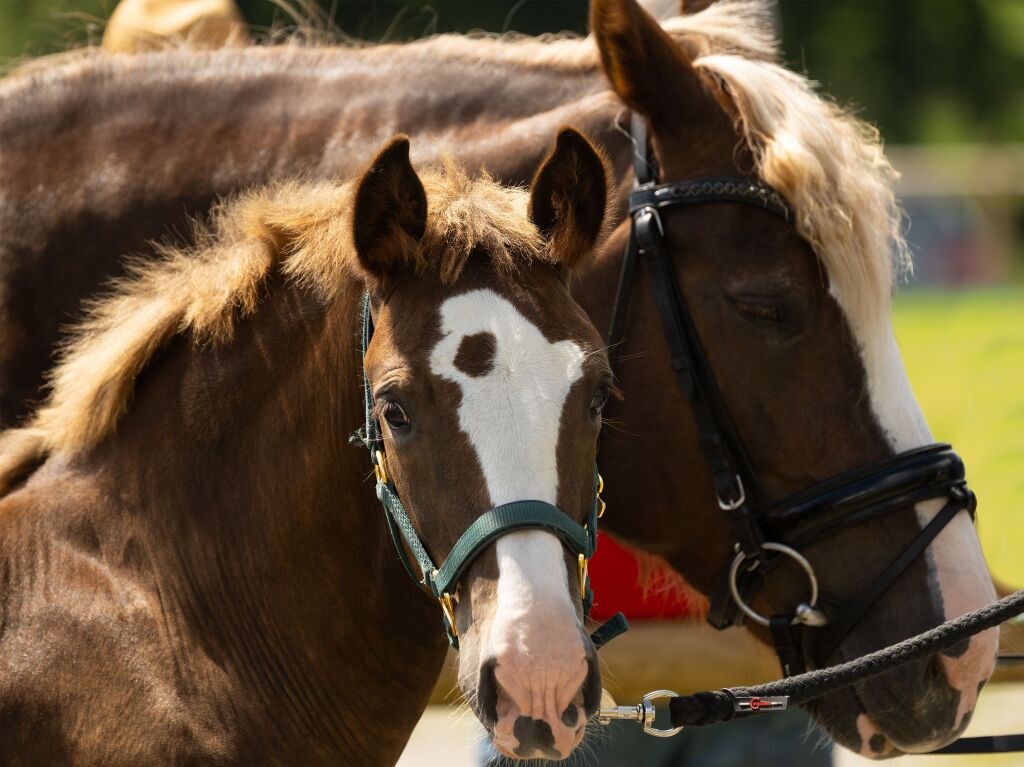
(965, 356)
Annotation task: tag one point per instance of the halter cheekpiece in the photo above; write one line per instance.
(441, 580)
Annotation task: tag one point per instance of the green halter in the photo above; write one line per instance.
(499, 521)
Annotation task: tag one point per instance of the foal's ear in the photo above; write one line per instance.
(390, 215)
(569, 196)
(646, 67)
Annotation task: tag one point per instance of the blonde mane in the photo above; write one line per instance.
(302, 229)
(828, 165)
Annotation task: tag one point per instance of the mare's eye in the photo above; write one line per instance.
(761, 310)
(392, 412)
(600, 398)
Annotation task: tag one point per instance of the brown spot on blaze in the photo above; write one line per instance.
(476, 354)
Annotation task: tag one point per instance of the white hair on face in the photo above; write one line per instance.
(512, 413)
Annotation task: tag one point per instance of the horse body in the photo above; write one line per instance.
(809, 374)
(206, 608)
(189, 527)
(319, 113)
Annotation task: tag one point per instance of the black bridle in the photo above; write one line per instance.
(768, 534)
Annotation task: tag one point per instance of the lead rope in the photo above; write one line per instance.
(711, 707)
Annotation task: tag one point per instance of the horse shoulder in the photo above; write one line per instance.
(91, 669)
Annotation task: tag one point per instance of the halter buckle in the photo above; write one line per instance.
(806, 613)
(642, 219)
(380, 467)
(449, 612)
(741, 497)
(582, 568)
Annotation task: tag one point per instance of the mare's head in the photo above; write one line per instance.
(794, 317)
(488, 382)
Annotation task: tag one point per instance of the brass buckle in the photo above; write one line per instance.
(582, 569)
(380, 467)
(449, 612)
(600, 489)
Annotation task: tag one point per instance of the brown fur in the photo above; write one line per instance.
(202, 290)
(211, 582)
(712, 114)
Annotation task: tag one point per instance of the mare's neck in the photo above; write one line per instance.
(266, 535)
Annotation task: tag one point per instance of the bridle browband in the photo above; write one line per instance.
(441, 580)
(767, 534)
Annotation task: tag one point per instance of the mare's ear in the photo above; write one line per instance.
(390, 214)
(646, 67)
(569, 197)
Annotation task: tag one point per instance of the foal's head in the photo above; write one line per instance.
(488, 382)
(795, 319)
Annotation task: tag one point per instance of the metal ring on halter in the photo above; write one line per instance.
(793, 554)
(649, 712)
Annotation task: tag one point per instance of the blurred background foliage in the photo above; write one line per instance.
(923, 70)
(943, 80)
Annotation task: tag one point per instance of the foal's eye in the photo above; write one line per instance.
(600, 398)
(392, 412)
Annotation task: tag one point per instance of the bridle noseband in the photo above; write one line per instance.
(441, 580)
(767, 534)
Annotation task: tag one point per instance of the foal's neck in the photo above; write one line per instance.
(264, 526)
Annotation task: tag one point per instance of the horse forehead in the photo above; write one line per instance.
(520, 353)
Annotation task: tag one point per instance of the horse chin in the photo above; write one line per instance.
(868, 720)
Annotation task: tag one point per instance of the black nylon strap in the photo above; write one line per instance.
(718, 453)
(620, 311)
(985, 744)
(787, 639)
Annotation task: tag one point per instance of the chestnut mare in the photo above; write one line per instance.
(195, 570)
(792, 312)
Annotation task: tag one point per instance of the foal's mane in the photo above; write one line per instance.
(305, 231)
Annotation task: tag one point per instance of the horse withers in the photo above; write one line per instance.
(195, 569)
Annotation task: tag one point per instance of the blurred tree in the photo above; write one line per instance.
(923, 70)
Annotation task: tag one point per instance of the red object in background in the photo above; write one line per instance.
(615, 579)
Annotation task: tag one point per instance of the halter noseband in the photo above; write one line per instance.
(441, 580)
(766, 535)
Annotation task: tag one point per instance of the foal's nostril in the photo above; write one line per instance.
(571, 715)
(592, 685)
(534, 735)
(487, 694)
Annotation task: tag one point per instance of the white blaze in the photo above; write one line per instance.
(512, 416)
(957, 561)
